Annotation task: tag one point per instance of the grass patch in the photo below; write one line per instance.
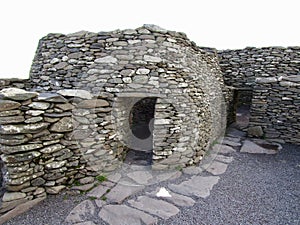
(92, 198)
(103, 198)
(101, 178)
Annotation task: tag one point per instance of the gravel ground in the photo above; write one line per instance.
(256, 189)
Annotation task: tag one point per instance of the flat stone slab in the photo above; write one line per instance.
(192, 170)
(176, 199)
(217, 168)
(120, 192)
(231, 143)
(251, 147)
(140, 177)
(196, 186)
(99, 191)
(156, 207)
(125, 215)
(225, 159)
(81, 212)
(85, 223)
(223, 149)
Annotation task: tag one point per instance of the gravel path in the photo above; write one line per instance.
(255, 189)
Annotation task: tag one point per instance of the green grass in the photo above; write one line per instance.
(92, 198)
(103, 198)
(101, 178)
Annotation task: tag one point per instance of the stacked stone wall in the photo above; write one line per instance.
(241, 67)
(275, 109)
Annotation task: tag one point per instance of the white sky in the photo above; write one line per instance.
(223, 24)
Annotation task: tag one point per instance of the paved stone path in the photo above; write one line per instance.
(123, 199)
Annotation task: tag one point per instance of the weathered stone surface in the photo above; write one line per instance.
(140, 177)
(107, 59)
(27, 156)
(122, 214)
(10, 112)
(255, 131)
(93, 103)
(217, 168)
(39, 105)
(52, 148)
(196, 186)
(156, 207)
(55, 165)
(223, 149)
(20, 148)
(120, 192)
(99, 191)
(192, 170)
(23, 128)
(11, 119)
(55, 190)
(8, 105)
(63, 125)
(11, 196)
(81, 212)
(17, 94)
(75, 93)
(251, 147)
(51, 97)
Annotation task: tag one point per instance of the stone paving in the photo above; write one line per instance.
(123, 199)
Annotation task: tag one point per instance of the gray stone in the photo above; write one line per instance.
(20, 148)
(85, 187)
(85, 223)
(120, 192)
(192, 170)
(266, 80)
(8, 105)
(140, 177)
(98, 191)
(34, 119)
(55, 165)
(196, 186)
(107, 59)
(63, 125)
(224, 159)
(23, 128)
(17, 94)
(52, 148)
(140, 79)
(86, 180)
(156, 207)
(255, 131)
(11, 196)
(10, 113)
(223, 149)
(61, 65)
(143, 71)
(51, 97)
(217, 168)
(125, 215)
(153, 59)
(155, 28)
(39, 105)
(251, 147)
(81, 212)
(55, 190)
(75, 93)
(93, 103)
(11, 119)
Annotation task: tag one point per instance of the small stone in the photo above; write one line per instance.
(20, 148)
(107, 59)
(8, 105)
(63, 125)
(255, 131)
(17, 94)
(120, 192)
(251, 147)
(86, 180)
(23, 128)
(55, 190)
(93, 103)
(143, 71)
(52, 148)
(99, 191)
(54, 61)
(55, 165)
(39, 105)
(140, 79)
(217, 168)
(153, 59)
(11, 119)
(61, 65)
(76, 93)
(51, 97)
(11, 196)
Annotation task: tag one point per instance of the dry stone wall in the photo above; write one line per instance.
(241, 67)
(275, 109)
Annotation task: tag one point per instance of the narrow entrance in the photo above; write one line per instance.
(243, 100)
(141, 120)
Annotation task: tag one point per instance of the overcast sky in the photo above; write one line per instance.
(223, 24)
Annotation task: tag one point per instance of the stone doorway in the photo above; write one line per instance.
(141, 123)
(242, 101)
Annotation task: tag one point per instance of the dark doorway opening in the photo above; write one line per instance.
(141, 120)
(243, 98)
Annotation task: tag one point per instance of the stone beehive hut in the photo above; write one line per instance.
(92, 98)
(181, 85)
